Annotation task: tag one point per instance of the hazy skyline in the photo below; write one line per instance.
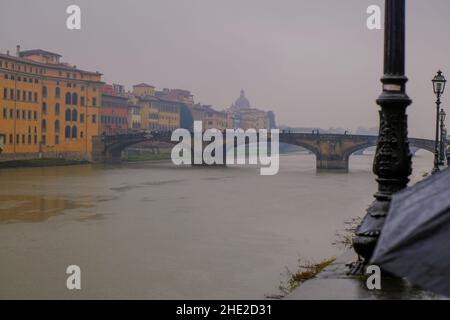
(313, 62)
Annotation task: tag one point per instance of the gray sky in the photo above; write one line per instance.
(313, 62)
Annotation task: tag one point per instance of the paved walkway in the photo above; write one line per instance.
(333, 283)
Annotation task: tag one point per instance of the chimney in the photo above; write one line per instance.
(18, 50)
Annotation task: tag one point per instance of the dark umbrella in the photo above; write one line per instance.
(415, 240)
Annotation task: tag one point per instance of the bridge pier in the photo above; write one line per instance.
(332, 165)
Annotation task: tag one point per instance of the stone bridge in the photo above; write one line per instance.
(332, 151)
(109, 147)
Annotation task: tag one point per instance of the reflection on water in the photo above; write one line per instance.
(152, 230)
(29, 208)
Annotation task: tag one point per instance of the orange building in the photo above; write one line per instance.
(48, 108)
(114, 110)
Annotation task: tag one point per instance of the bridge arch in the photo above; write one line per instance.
(426, 145)
(109, 148)
(332, 151)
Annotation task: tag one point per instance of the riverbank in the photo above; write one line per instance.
(44, 162)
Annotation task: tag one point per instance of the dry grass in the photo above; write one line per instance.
(344, 238)
(306, 271)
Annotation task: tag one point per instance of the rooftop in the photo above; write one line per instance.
(32, 52)
(143, 85)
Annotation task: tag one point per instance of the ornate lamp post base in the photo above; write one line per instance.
(392, 164)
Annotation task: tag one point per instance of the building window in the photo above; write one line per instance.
(68, 98)
(24, 114)
(11, 113)
(24, 95)
(56, 139)
(44, 125)
(94, 102)
(67, 132)
(68, 115)
(94, 118)
(82, 102)
(57, 126)
(5, 113)
(81, 117)
(35, 97)
(74, 115)
(81, 134)
(35, 115)
(44, 108)
(57, 92)
(74, 98)
(29, 138)
(18, 115)
(43, 139)
(57, 109)
(11, 94)
(17, 139)
(5, 93)
(74, 132)
(11, 140)
(29, 114)
(23, 139)
(29, 96)
(44, 92)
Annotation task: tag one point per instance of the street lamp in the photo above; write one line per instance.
(439, 83)
(392, 163)
(443, 145)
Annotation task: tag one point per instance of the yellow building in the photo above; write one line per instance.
(211, 119)
(157, 114)
(134, 116)
(143, 89)
(49, 108)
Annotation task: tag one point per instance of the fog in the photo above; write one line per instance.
(313, 62)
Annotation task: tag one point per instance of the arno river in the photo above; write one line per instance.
(155, 231)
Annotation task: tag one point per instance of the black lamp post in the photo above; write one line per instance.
(443, 145)
(438, 88)
(392, 164)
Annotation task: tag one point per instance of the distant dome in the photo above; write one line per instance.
(242, 102)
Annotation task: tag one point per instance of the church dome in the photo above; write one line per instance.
(242, 102)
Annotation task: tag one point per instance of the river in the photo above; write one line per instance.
(155, 231)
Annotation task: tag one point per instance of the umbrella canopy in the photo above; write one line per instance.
(415, 240)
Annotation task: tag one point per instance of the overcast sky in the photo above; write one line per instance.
(313, 62)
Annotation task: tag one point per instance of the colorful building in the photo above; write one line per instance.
(177, 95)
(114, 110)
(157, 114)
(211, 119)
(49, 108)
(134, 116)
(143, 89)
